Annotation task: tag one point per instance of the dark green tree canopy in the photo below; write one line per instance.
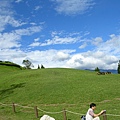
(38, 67)
(27, 64)
(42, 66)
(118, 67)
(97, 69)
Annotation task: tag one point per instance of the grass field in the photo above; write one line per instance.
(53, 89)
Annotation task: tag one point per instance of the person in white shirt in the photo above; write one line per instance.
(90, 113)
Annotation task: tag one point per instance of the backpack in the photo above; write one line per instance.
(83, 117)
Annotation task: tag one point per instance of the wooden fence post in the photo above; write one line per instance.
(36, 111)
(64, 114)
(13, 105)
(104, 116)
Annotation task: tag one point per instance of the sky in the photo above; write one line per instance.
(80, 34)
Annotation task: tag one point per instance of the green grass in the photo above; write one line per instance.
(54, 89)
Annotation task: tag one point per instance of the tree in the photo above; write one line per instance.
(118, 67)
(38, 67)
(97, 69)
(42, 66)
(27, 64)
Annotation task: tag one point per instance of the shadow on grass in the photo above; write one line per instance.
(6, 92)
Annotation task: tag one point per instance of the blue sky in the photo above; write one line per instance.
(82, 34)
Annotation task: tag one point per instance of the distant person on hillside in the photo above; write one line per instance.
(90, 113)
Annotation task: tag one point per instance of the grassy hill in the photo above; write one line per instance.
(53, 89)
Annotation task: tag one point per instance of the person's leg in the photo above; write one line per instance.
(96, 118)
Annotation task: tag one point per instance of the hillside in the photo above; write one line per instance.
(8, 63)
(56, 88)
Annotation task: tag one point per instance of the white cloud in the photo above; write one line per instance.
(61, 56)
(35, 44)
(17, 1)
(37, 7)
(36, 39)
(72, 7)
(91, 42)
(7, 15)
(111, 46)
(97, 41)
(83, 45)
(9, 40)
(59, 40)
(15, 56)
(29, 30)
(91, 60)
(32, 23)
(15, 23)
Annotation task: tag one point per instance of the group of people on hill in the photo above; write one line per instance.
(103, 73)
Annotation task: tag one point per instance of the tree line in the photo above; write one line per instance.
(28, 64)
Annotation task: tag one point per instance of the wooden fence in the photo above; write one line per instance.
(36, 111)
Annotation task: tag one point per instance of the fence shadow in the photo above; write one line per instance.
(6, 92)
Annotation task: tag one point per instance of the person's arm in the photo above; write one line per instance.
(96, 115)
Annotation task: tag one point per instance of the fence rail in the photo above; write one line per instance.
(64, 111)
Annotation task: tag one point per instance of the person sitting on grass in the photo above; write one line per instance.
(90, 113)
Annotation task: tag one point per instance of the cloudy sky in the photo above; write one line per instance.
(82, 34)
